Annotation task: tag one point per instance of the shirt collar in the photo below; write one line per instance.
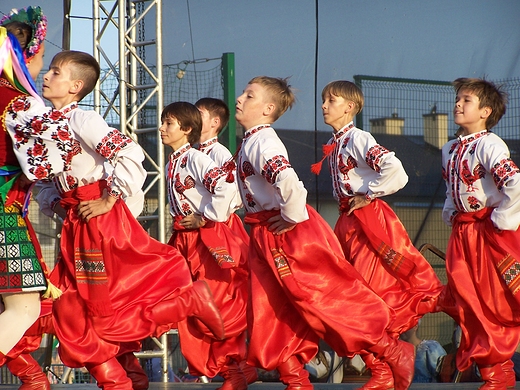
(69, 107)
(471, 137)
(208, 143)
(254, 130)
(343, 131)
(179, 152)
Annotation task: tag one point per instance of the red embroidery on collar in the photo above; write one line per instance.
(68, 109)
(175, 155)
(473, 137)
(340, 133)
(210, 142)
(254, 130)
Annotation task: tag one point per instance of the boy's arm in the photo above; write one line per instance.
(448, 211)
(391, 176)
(506, 175)
(42, 139)
(213, 178)
(278, 225)
(224, 159)
(93, 208)
(289, 191)
(122, 154)
(47, 197)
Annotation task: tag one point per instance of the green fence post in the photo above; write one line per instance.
(228, 75)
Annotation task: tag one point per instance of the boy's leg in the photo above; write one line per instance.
(234, 378)
(29, 372)
(133, 370)
(110, 375)
(196, 302)
(494, 377)
(381, 375)
(250, 372)
(293, 375)
(509, 369)
(400, 356)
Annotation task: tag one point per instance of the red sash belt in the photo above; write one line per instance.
(480, 215)
(89, 265)
(89, 192)
(501, 247)
(260, 217)
(392, 255)
(219, 240)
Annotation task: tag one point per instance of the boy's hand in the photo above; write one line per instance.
(192, 221)
(357, 202)
(92, 208)
(278, 225)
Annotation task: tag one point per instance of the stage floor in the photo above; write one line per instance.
(264, 386)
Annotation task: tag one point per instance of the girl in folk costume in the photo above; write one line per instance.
(483, 257)
(372, 237)
(35, 145)
(302, 288)
(119, 284)
(200, 201)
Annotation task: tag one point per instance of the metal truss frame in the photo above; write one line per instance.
(126, 18)
(119, 22)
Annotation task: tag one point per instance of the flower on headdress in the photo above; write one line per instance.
(34, 17)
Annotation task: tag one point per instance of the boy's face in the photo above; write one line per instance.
(337, 111)
(252, 107)
(467, 113)
(58, 84)
(171, 133)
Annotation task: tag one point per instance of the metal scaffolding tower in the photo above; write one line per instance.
(121, 23)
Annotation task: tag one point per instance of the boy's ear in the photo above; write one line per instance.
(486, 112)
(269, 109)
(351, 106)
(77, 86)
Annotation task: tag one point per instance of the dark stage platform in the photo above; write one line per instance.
(265, 386)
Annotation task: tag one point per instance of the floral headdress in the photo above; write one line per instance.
(34, 17)
(13, 59)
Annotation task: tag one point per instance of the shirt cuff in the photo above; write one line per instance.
(114, 192)
(54, 202)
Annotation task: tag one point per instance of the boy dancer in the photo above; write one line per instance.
(215, 116)
(372, 237)
(119, 284)
(483, 207)
(200, 197)
(302, 288)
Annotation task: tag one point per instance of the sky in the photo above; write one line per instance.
(317, 41)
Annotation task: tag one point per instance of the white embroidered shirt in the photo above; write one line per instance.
(479, 173)
(267, 181)
(360, 166)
